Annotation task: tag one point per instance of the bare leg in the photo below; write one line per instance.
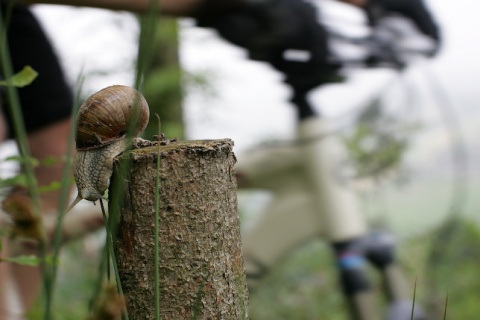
(10, 302)
(48, 142)
(51, 141)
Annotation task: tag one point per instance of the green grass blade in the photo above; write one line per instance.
(148, 25)
(64, 192)
(445, 310)
(414, 297)
(157, 222)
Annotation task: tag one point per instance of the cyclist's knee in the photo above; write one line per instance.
(380, 249)
(351, 265)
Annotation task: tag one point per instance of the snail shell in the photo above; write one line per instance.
(104, 117)
(102, 125)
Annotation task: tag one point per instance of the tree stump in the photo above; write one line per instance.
(200, 258)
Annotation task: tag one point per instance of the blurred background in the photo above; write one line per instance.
(429, 200)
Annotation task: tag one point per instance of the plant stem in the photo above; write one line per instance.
(108, 241)
(445, 310)
(117, 277)
(414, 297)
(148, 25)
(63, 197)
(157, 222)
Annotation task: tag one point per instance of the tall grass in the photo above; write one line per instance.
(49, 270)
(25, 155)
(148, 25)
(157, 227)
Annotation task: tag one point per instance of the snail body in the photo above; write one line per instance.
(101, 135)
(92, 169)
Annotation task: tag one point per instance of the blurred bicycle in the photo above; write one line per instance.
(310, 182)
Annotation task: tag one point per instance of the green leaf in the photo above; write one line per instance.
(50, 260)
(24, 260)
(22, 78)
(23, 160)
(50, 161)
(20, 180)
(28, 260)
(54, 186)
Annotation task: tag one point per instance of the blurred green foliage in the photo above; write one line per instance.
(453, 263)
(162, 86)
(77, 276)
(378, 142)
(304, 285)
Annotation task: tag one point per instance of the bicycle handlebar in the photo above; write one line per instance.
(393, 42)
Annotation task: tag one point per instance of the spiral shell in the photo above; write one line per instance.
(105, 116)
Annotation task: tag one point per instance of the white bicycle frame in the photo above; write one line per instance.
(311, 194)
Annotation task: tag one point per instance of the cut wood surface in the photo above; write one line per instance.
(200, 258)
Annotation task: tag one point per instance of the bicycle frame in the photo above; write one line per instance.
(311, 194)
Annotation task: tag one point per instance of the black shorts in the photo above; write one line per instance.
(48, 99)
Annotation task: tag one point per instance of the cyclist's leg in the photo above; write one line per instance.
(346, 228)
(354, 281)
(344, 223)
(379, 249)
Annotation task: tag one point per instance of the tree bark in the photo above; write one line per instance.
(200, 258)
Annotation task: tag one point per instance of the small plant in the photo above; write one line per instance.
(22, 220)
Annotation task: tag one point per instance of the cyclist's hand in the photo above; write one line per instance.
(412, 9)
(285, 33)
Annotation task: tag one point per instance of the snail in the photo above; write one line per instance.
(101, 135)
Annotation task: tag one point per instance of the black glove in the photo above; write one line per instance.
(412, 9)
(268, 29)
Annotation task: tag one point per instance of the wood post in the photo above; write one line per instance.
(200, 258)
